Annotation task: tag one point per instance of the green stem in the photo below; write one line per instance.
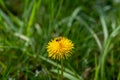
(61, 69)
(103, 58)
(58, 72)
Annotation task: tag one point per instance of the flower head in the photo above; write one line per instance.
(59, 48)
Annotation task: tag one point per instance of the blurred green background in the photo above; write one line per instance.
(26, 26)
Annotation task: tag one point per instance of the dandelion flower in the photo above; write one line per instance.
(59, 48)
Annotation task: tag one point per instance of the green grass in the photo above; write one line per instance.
(26, 26)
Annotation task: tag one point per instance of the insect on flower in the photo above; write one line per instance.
(59, 38)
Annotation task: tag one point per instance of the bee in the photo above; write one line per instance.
(58, 39)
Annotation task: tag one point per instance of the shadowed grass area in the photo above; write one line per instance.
(26, 26)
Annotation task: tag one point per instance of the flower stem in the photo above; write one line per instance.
(61, 69)
(58, 78)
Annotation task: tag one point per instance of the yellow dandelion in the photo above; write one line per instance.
(59, 48)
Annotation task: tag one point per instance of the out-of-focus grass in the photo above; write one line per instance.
(27, 26)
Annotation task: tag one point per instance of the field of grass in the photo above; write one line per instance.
(26, 27)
